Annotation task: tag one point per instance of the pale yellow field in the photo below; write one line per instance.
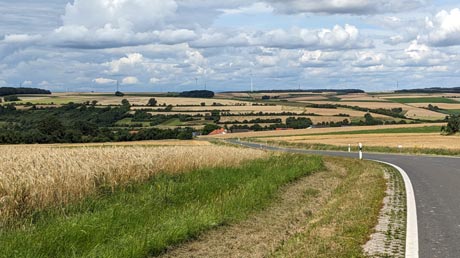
(332, 112)
(318, 131)
(308, 98)
(136, 143)
(412, 111)
(419, 95)
(245, 109)
(432, 140)
(359, 97)
(48, 176)
(440, 105)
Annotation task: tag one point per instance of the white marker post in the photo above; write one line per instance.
(349, 147)
(360, 151)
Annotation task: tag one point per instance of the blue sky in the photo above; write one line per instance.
(163, 45)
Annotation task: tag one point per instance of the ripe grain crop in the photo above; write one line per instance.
(36, 178)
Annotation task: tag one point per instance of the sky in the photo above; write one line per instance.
(176, 45)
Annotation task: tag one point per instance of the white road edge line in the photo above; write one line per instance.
(412, 250)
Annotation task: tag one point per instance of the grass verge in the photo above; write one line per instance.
(348, 218)
(144, 219)
(380, 149)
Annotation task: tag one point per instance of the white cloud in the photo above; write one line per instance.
(104, 81)
(443, 29)
(20, 38)
(129, 61)
(136, 15)
(130, 80)
(154, 80)
(418, 51)
(255, 8)
(26, 83)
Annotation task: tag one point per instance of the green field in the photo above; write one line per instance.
(432, 100)
(145, 219)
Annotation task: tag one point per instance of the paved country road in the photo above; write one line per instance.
(436, 183)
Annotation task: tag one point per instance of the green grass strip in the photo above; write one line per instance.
(145, 219)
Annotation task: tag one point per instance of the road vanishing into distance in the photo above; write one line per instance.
(436, 183)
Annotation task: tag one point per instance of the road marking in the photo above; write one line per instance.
(411, 226)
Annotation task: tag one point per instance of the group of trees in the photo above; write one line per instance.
(197, 94)
(74, 123)
(5, 91)
(453, 125)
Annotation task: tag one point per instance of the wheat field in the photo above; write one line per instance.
(36, 178)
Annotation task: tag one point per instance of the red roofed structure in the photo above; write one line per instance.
(218, 131)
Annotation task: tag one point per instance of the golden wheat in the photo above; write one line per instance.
(34, 178)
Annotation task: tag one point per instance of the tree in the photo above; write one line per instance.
(203, 104)
(11, 98)
(94, 102)
(119, 94)
(209, 128)
(197, 94)
(453, 125)
(125, 103)
(298, 123)
(152, 102)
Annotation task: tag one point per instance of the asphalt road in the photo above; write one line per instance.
(436, 183)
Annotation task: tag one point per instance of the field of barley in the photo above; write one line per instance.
(34, 178)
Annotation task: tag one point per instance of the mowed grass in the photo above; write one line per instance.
(424, 100)
(143, 219)
(346, 221)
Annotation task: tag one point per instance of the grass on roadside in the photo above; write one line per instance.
(343, 226)
(145, 218)
(425, 129)
(380, 149)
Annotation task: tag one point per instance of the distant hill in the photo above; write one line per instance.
(431, 90)
(340, 91)
(5, 91)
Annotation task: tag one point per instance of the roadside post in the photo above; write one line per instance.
(360, 151)
(349, 147)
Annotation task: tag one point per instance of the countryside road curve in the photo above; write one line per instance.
(436, 183)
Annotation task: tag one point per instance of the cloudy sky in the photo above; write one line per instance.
(172, 45)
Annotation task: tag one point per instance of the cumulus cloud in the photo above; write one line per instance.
(104, 81)
(359, 7)
(130, 80)
(443, 29)
(129, 61)
(339, 37)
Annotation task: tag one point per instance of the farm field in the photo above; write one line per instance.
(136, 201)
(409, 140)
(321, 131)
(172, 117)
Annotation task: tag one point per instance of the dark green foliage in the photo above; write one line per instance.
(73, 123)
(119, 94)
(298, 123)
(11, 98)
(4, 91)
(209, 128)
(197, 94)
(370, 120)
(453, 125)
(125, 102)
(152, 102)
